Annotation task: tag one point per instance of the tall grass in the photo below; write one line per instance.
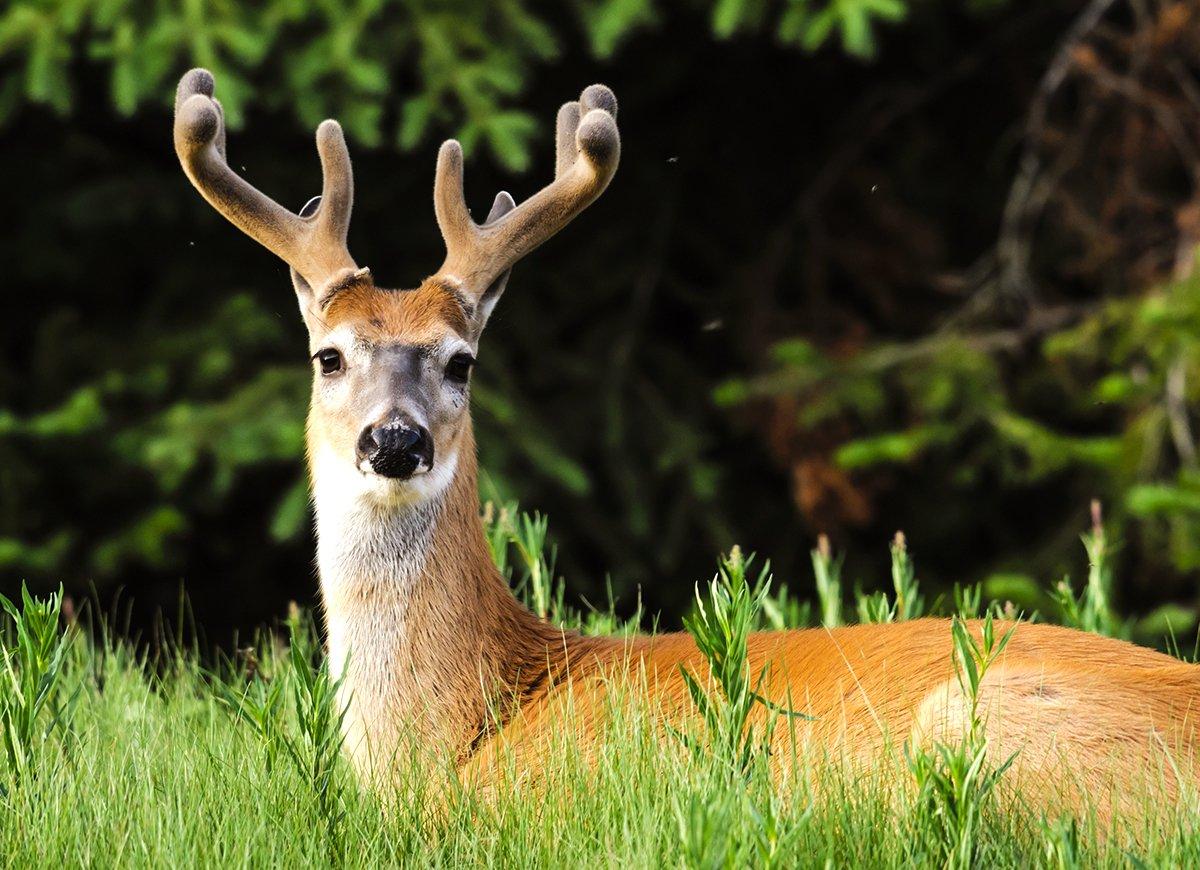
(295, 716)
(111, 758)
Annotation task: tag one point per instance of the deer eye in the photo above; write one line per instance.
(459, 367)
(330, 360)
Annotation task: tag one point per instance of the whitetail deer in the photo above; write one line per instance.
(435, 642)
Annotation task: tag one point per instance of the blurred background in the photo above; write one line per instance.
(867, 265)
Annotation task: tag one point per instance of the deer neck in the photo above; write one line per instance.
(422, 629)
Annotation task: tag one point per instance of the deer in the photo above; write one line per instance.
(424, 635)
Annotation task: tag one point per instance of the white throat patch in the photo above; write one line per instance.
(373, 540)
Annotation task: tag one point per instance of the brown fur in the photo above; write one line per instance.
(1090, 717)
(418, 316)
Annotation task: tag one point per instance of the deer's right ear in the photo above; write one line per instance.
(479, 256)
(304, 291)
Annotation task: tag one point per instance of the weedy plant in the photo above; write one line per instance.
(968, 600)
(873, 607)
(907, 601)
(733, 751)
(781, 610)
(309, 733)
(33, 704)
(827, 571)
(956, 782)
(604, 621)
(721, 630)
(512, 531)
(520, 547)
(1092, 610)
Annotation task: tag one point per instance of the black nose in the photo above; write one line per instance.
(396, 448)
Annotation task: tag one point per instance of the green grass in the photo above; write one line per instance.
(111, 757)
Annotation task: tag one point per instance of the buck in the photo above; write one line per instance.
(434, 646)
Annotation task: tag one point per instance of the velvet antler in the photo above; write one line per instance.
(313, 245)
(589, 149)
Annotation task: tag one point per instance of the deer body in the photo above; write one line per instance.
(433, 649)
(437, 649)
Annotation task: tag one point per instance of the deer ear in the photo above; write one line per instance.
(489, 299)
(503, 205)
(304, 290)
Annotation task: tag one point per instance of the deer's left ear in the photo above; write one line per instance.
(503, 205)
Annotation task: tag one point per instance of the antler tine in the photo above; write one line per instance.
(564, 137)
(449, 202)
(337, 186)
(314, 246)
(588, 149)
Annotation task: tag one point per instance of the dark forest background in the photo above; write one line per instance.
(866, 265)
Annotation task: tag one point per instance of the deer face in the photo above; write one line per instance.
(391, 370)
(391, 381)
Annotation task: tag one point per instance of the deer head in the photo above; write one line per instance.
(391, 369)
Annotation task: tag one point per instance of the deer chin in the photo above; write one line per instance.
(349, 484)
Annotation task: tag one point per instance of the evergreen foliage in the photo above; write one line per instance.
(322, 59)
(820, 212)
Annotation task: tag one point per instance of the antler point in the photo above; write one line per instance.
(599, 96)
(198, 119)
(598, 137)
(199, 81)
